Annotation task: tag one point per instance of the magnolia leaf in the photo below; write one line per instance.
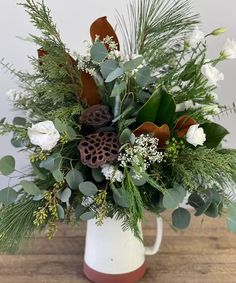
(19, 121)
(7, 196)
(98, 52)
(65, 195)
(181, 218)
(183, 124)
(102, 28)
(107, 67)
(231, 217)
(162, 133)
(87, 216)
(118, 89)
(114, 75)
(74, 178)
(133, 64)
(60, 212)
(7, 165)
(89, 93)
(88, 188)
(143, 76)
(214, 134)
(30, 187)
(97, 175)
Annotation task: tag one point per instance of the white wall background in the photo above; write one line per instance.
(73, 19)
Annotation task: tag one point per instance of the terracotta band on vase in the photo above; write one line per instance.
(98, 277)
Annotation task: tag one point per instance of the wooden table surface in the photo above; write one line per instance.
(206, 252)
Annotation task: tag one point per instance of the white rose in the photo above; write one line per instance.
(44, 134)
(195, 135)
(212, 74)
(229, 49)
(195, 37)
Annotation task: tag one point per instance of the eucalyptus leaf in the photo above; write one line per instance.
(71, 133)
(87, 216)
(30, 187)
(119, 197)
(143, 76)
(65, 195)
(118, 72)
(181, 218)
(107, 67)
(52, 163)
(8, 196)
(98, 52)
(97, 175)
(126, 136)
(172, 198)
(58, 175)
(60, 126)
(118, 89)
(88, 188)
(39, 173)
(61, 212)
(19, 121)
(17, 142)
(133, 64)
(38, 197)
(231, 217)
(79, 210)
(7, 165)
(74, 178)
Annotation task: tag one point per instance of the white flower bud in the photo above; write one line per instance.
(212, 74)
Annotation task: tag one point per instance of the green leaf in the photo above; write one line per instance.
(195, 201)
(207, 202)
(127, 137)
(79, 210)
(149, 110)
(138, 182)
(52, 163)
(30, 187)
(107, 67)
(97, 175)
(133, 64)
(38, 197)
(71, 133)
(58, 175)
(65, 195)
(98, 52)
(39, 173)
(88, 188)
(61, 212)
(19, 121)
(87, 216)
(60, 126)
(7, 165)
(213, 210)
(214, 134)
(159, 109)
(172, 198)
(181, 218)
(74, 178)
(114, 75)
(119, 197)
(7, 196)
(231, 217)
(17, 142)
(118, 89)
(143, 76)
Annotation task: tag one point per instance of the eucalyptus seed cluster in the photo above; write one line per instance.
(39, 156)
(173, 149)
(64, 139)
(101, 203)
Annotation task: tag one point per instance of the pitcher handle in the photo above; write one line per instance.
(159, 229)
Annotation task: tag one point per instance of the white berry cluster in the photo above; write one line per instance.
(141, 154)
(111, 173)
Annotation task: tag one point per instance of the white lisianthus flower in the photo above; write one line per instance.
(195, 135)
(44, 134)
(214, 96)
(214, 109)
(212, 74)
(229, 49)
(111, 173)
(15, 95)
(195, 37)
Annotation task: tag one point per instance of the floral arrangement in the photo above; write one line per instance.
(119, 130)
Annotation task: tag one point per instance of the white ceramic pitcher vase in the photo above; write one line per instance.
(116, 256)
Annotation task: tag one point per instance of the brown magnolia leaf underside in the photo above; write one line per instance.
(183, 124)
(102, 28)
(162, 133)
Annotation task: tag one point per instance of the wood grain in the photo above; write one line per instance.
(206, 252)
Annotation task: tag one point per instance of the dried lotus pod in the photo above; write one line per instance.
(98, 149)
(96, 116)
